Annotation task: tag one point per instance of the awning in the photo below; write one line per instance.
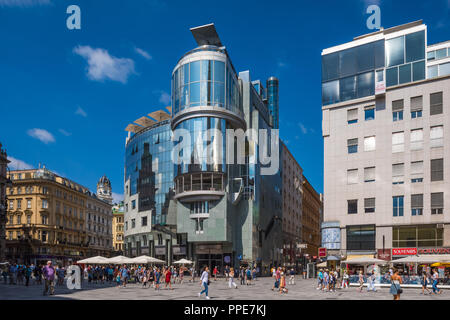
(365, 261)
(428, 258)
(333, 258)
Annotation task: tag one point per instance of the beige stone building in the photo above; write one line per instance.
(118, 227)
(386, 102)
(52, 217)
(4, 181)
(311, 220)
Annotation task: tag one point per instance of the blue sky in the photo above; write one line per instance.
(67, 95)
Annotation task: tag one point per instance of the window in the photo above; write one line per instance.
(361, 237)
(432, 72)
(352, 206)
(437, 170)
(441, 53)
(352, 176)
(417, 171)
(199, 226)
(19, 219)
(11, 204)
(416, 107)
(133, 204)
(369, 143)
(397, 206)
(369, 174)
(369, 205)
(416, 139)
(352, 145)
(398, 142)
(19, 203)
(28, 219)
(436, 100)
(398, 173)
(44, 204)
(417, 204)
(126, 225)
(44, 219)
(144, 221)
(437, 137)
(199, 207)
(437, 203)
(133, 223)
(416, 237)
(397, 110)
(28, 204)
(369, 113)
(352, 116)
(395, 51)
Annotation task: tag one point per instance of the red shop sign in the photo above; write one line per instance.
(322, 252)
(404, 252)
(435, 251)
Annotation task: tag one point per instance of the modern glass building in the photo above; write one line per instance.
(273, 104)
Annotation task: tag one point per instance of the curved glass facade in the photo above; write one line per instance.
(206, 151)
(148, 165)
(205, 83)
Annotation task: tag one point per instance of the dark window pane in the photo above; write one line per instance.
(366, 84)
(347, 88)
(392, 77)
(419, 70)
(415, 46)
(330, 66)
(405, 73)
(330, 92)
(366, 59)
(347, 62)
(352, 206)
(379, 54)
(395, 51)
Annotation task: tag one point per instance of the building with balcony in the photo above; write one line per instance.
(4, 182)
(118, 211)
(52, 217)
(385, 98)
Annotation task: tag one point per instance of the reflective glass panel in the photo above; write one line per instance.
(347, 88)
(395, 51)
(441, 53)
(432, 71)
(330, 92)
(419, 70)
(219, 71)
(444, 69)
(405, 73)
(348, 62)
(392, 77)
(206, 71)
(366, 84)
(415, 46)
(195, 71)
(365, 57)
(195, 92)
(330, 66)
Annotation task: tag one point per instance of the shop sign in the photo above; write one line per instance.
(322, 252)
(404, 251)
(384, 255)
(435, 251)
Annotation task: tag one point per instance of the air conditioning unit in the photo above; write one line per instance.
(440, 226)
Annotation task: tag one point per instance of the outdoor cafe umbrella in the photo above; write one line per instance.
(183, 261)
(145, 260)
(365, 261)
(119, 260)
(94, 260)
(441, 264)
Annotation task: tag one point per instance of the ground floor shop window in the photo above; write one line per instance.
(417, 236)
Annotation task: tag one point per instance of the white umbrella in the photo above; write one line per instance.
(145, 260)
(119, 260)
(365, 261)
(183, 261)
(422, 259)
(94, 260)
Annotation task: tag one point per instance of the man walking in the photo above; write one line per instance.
(49, 276)
(371, 285)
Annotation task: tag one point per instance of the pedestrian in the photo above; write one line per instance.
(304, 272)
(361, 281)
(283, 288)
(292, 276)
(231, 278)
(325, 282)
(124, 275)
(371, 280)
(157, 278)
(226, 272)
(320, 280)
(424, 282)
(49, 277)
(13, 274)
(276, 284)
(435, 278)
(345, 280)
(204, 281)
(28, 272)
(248, 276)
(396, 281)
(215, 273)
(168, 275)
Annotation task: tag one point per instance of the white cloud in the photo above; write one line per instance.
(282, 64)
(102, 65)
(368, 3)
(81, 112)
(42, 135)
(17, 164)
(143, 53)
(303, 128)
(164, 98)
(23, 3)
(117, 197)
(64, 132)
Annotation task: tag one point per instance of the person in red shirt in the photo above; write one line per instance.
(215, 271)
(168, 275)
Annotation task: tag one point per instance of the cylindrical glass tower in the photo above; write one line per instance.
(272, 99)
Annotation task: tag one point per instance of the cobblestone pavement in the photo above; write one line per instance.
(259, 290)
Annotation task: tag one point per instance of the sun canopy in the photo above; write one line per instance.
(94, 260)
(120, 260)
(365, 261)
(183, 261)
(424, 259)
(322, 265)
(145, 260)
